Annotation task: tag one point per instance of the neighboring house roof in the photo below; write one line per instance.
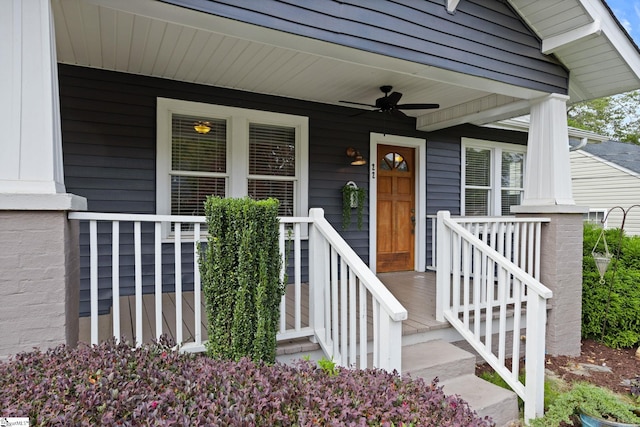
(622, 154)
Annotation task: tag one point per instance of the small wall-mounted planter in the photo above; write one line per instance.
(352, 198)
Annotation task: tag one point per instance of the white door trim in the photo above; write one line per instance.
(420, 146)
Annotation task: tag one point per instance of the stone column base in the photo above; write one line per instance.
(561, 271)
(39, 284)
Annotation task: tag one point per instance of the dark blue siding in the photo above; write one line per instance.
(484, 38)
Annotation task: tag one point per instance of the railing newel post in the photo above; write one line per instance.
(443, 268)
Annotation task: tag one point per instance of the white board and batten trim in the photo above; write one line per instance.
(420, 177)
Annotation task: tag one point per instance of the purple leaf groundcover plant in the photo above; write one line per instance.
(117, 384)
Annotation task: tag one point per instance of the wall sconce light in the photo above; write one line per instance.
(202, 127)
(358, 160)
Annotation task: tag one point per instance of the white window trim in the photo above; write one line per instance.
(496, 149)
(237, 174)
(597, 211)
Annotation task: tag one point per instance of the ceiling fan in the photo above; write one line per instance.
(389, 103)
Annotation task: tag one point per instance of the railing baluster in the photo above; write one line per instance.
(115, 278)
(177, 245)
(93, 268)
(376, 332)
(283, 301)
(362, 298)
(197, 286)
(353, 348)
(297, 264)
(344, 306)
(137, 239)
(157, 250)
(335, 332)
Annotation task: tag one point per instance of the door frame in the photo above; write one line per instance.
(420, 146)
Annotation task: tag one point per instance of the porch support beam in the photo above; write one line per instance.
(31, 161)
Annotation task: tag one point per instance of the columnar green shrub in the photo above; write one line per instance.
(240, 272)
(613, 304)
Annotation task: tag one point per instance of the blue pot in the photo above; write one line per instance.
(589, 421)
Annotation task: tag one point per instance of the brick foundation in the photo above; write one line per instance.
(561, 271)
(39, 280)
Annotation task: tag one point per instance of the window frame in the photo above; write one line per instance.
(237, 150)
(495, 188)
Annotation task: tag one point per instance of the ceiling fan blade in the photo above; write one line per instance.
(418, 106)
(358, 103)
(397, 113)
(394, 98)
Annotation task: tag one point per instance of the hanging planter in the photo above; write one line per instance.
(352, 198)
(602, 259)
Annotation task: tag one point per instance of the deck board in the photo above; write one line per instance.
(414, 290)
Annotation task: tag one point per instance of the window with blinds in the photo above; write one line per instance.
(477, 181)
(512, 180)
(493, 177)
(207, 149)
(272, 164)
(198, 163)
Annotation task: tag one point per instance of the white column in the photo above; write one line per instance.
(548, 171)
(31, 147)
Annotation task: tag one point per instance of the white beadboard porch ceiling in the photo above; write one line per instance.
(152, 38)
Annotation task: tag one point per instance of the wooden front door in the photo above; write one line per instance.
(396, 217)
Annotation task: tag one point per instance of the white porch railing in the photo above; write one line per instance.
(482, 293)
(341, 286)
(515, 238)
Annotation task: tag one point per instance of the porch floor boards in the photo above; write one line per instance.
(416, 291)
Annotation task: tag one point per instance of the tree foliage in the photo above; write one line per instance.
(617, 117)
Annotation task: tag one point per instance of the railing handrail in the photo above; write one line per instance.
(531, 282)
(102, 216)
(460, 219)
(391, 305)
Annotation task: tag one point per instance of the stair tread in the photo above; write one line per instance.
(484, 398)
(436, 359)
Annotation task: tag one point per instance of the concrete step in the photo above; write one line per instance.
(455, 368)
(485, 398)
(437, 359)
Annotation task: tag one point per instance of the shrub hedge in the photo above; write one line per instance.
(617, 299)
(240, 272)
(116, 384)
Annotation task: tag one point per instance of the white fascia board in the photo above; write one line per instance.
(551, 44)
(611, 29)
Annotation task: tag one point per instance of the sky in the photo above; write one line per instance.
(628, 13)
